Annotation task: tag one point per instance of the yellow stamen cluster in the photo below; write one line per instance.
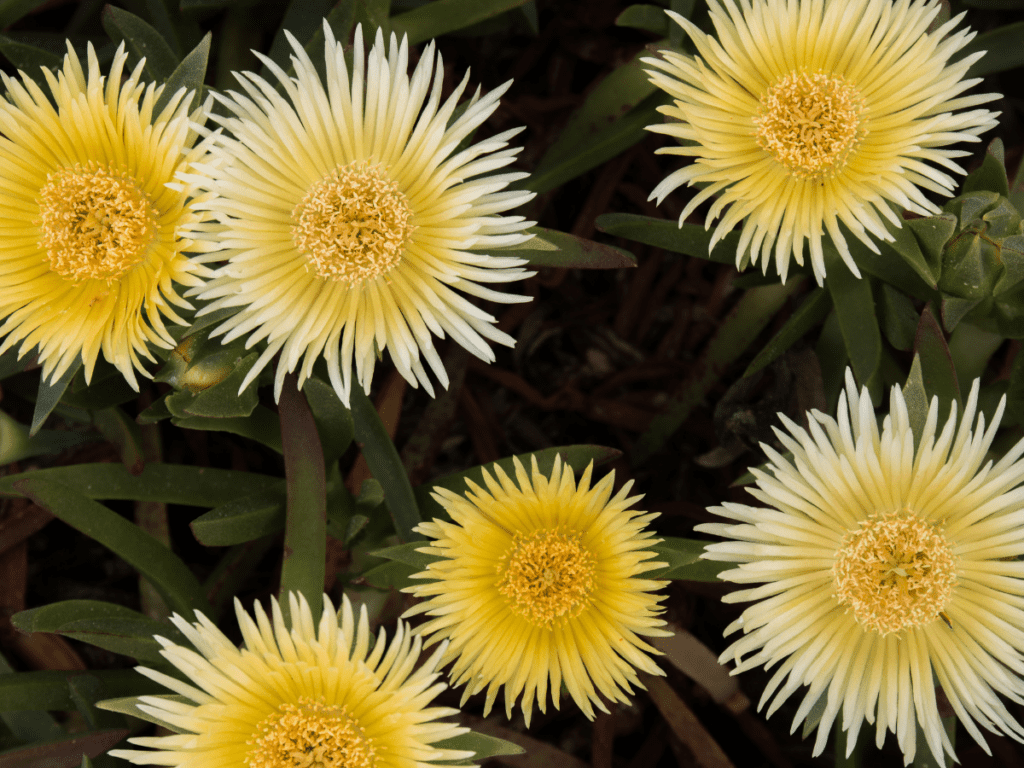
(546, 575)
(897, 571)
(810, 123)
(353, 225)
(310, 735)
(94, 224)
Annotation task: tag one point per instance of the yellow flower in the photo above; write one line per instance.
(91, 217)
(806, 113)
(348, 211)
(883, 567)
(538, 584)
(314, 695)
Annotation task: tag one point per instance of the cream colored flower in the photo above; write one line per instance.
(539, 584)
(91, 217)
(804, 114)
(886, 569)
(313, 695)
(352, 216)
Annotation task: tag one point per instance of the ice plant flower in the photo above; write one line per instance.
(91, 216)
(312, 695)
(538, 583)
(885, 566)
(804, 114)
(351, 216)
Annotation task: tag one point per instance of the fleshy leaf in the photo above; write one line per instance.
(161, 567)
(649, 18)
(169, 483)
(559, 249)
(102, 624)
(813, 311)
(142, 40)
(443, 16)
(937, 370)
(684, 562)
(241, 520)
(49, 395)
(858, 321)
(190, 74)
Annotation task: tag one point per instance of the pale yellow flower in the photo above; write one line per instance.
(91, 216)
(803, 114)
(351, 216)
(539, 584)
(311, 695)
(885, 569)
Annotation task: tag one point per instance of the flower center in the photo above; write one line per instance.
(546, 575)
(353, 224)
(896, 572)
(95, 224)
(310, 734)
(810, 123)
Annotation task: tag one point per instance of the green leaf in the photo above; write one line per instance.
(858, 322)
(105, 625)
(684, 562)
(117, 428)
(372, 15)
(736, 332)
(443, 16)
(12, 10)
(1003, 50)
(225, 370)
(990, 176)
(161, 567)
(49, 690)
(813, 311)
(385, 465)
(169, 483)
(62, 750)
(129, 705)
(50, 394)
(393, 575)
(690, 239)
(559, 249)
(86, 690)
(142, 40)
(831, 353)
(932, 233)
(28, 58)
(15, 443)
(10, 364)
(906, 245)
(937, 369)
(611, 100)
(484, 747)
(604, 143)
(261, 426)
(29, 724)
(916, 398)
(899, 318)
(650, 18)
(575, 456)
(241, 520)
(154, 412)
(302, 18)
(190, 74)
(305, 527)
(408, 554)
(333, 419)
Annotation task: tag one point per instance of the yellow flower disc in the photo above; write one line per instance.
(897, 571)
(810, 123)
(310, 734)
(95, 224)
(546, 575)
(353, 224)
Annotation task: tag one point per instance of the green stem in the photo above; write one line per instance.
(151, 516)
(305, 529)
(738, 330)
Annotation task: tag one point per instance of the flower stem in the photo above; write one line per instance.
(305, 528)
